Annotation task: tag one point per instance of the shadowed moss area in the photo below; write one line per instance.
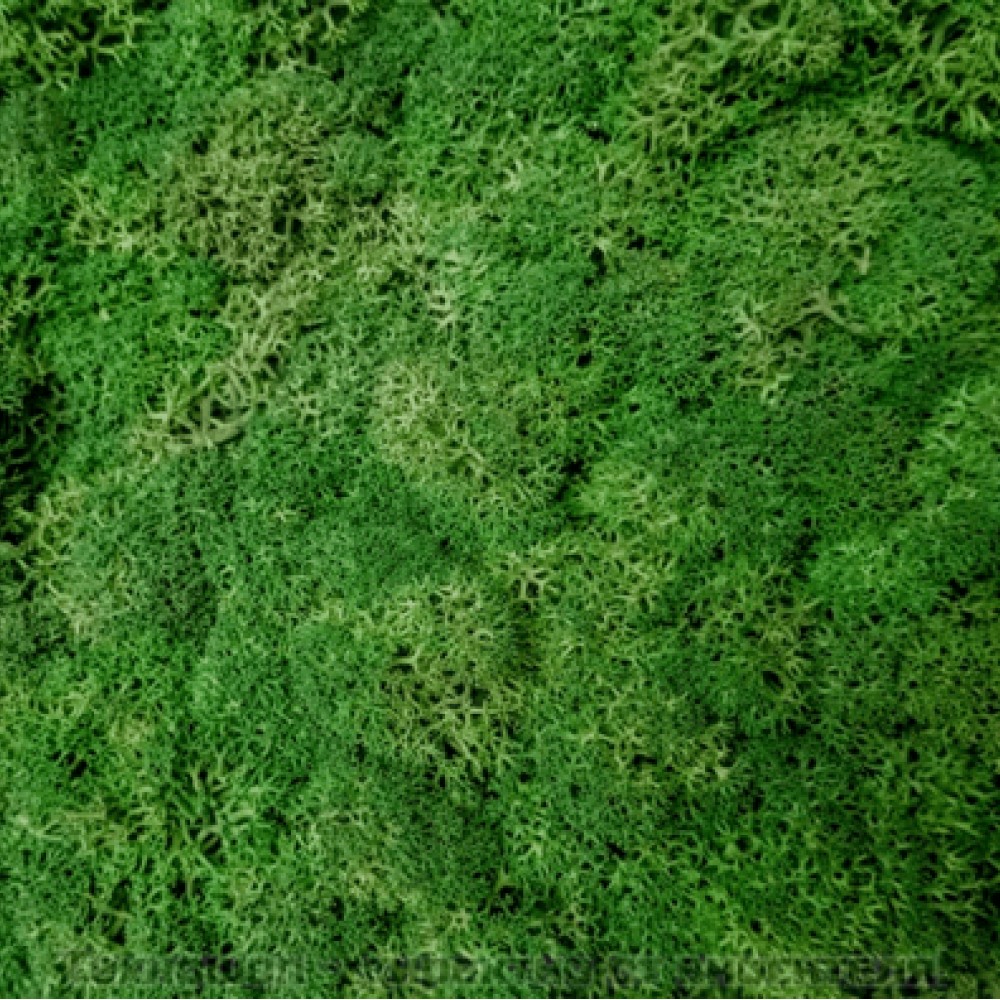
(499, 498)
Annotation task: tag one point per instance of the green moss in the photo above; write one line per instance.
(510, 488)
(58, 41)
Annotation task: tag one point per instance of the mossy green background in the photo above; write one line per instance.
(508, 484)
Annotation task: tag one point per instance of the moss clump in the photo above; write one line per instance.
(56, 42)
(499, 499)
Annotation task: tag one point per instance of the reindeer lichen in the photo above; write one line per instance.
(499, 499)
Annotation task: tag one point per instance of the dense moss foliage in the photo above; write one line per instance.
(499, 498)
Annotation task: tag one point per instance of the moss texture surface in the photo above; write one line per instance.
(499, 498)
